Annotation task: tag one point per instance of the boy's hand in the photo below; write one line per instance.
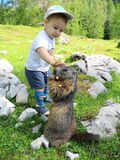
(57, 64)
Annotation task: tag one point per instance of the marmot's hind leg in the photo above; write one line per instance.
(73, 127)
(58, 142)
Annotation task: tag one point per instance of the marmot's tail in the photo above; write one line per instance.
(85, 136)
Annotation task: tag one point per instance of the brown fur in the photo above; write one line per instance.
(61, 125)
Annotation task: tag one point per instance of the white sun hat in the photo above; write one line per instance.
(58, 9)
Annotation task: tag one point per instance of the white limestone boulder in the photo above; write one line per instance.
(22, 94)
(12, 91)
(13, 79)
(5, 66)
(6, 107)
(3, 52)
(96, 65)
(97, 88)
(2, 92)
(36, 128)
(63, 39)
(10, 85)
(36, 144)
(104, 124)
(71, 155)
(4, 82)
(27, 113)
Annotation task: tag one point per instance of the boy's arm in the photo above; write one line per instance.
(43, 53)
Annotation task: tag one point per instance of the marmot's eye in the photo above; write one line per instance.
(64, 70)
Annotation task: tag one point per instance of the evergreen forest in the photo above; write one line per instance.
(98, 19)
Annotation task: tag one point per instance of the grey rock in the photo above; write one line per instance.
(109, 102)
(96, 89)
(18, 124)
(13, 79)
(4, 52)
(22, 86)
(12, 91)
(22, 95)
(74, 104)
(4, 81)
(96, 65)
(36, 144)
(3, 73)
(5, 111)
(44, 118)
(6, 107)
(45, 141)
(27, 113)
(104, 76)
(36, 128)
(80, 66)
(63, 39)
(2, 92)
(10, 85)
(71, 156)
(78, 55)
(104, 124)
(5, 66)
(14, 116)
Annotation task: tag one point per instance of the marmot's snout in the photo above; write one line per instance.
(56, 73)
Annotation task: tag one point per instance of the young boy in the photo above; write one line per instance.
(40, 55)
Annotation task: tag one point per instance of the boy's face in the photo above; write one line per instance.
(54, 26)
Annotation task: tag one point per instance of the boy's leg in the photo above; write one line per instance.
(46, 98)
(40, 106)
(36, 80)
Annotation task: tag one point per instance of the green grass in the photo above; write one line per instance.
(15, 142)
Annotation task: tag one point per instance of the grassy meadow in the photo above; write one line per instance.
(15, 142)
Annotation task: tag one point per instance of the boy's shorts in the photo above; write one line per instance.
(36, 79)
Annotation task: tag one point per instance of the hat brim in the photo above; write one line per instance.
(68, 15)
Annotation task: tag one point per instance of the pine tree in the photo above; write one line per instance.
(116, 22)
(97, 18)
(109, 19)
(2, 12)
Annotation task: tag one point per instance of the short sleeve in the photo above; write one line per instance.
(40, 42)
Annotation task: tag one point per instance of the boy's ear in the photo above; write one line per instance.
(45, 21)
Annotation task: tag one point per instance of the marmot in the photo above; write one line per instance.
(61, 125)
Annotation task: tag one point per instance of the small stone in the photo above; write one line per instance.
(14, 116)
(22, 95)
(18, 124)
(27, 113)
(74, 104)
(4, 52)
(36, 128)
(45, 141)
(44, 118)
(71, 155)
(36, 144)
(6, 107)
(97, 88)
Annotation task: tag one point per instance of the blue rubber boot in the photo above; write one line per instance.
(46, 98)
(40, 106)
